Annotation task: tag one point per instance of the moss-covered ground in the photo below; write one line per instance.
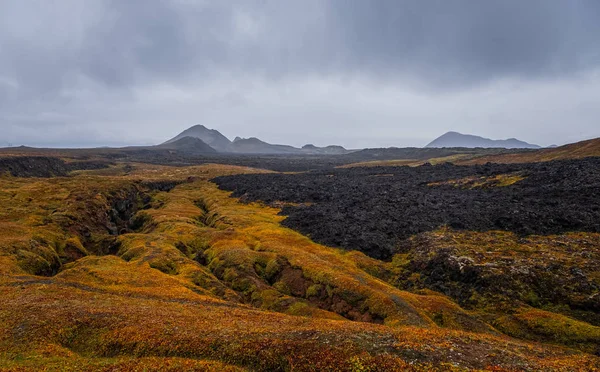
(139, 267)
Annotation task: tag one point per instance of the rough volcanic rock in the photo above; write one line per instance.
(372, 209)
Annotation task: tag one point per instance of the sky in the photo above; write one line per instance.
(349, 72)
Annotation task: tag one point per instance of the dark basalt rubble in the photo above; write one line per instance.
(45, 166)
(373, 209)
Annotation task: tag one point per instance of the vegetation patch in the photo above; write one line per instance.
(134, 281)
(500, 180)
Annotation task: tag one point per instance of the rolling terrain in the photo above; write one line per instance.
(578, 150)
(160, 259)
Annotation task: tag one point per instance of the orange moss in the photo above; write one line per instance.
(500, 180)
(242, 292)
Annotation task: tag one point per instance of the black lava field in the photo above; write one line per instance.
(373, 209)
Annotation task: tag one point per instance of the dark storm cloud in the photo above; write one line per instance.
(433, 41)
(145, 40)
(468, 40)
(82, 63)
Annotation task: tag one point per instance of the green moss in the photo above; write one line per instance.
(166, 266)
(314, 290)
(130, 254)
(269, 298)
(544, 326)
(272, 270)
(200, 280)
(198, 245)
(241, 285)
(400, 260)
(351, 297)
(215, 264)
(299, 309)
(532, 299)
(259, 268)
(438, 318)
(282, 287)
(140, 221)
(71, 250)
(330, 290)
(34, 264)
(230, 274)
(358, 365)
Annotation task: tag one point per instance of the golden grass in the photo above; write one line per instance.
(576, 150)
(409, 162)
(499, 180)
(543, 325)
(239, 292)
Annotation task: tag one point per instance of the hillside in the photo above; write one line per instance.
(255, 146)
(145, 267)
(455, 139)
(583, 149)
(211, 137)
(327, 150)
(189, 145)
(247, 146)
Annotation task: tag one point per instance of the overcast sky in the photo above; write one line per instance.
(351, 72)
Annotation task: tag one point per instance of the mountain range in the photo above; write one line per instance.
(200, 139)
(188, 144)
(211, 137)
(455, 139)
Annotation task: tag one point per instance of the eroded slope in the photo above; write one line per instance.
(155, 267)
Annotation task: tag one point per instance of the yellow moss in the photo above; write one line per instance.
(103, 312)
(313, 290)
(542, 325)
(500, 180)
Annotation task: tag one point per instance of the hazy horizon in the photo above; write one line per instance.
(231, 138)
(351, 73)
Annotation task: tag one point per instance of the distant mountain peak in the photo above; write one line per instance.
(239, 145)
(188, 144)
(456, 139)
(211, 137)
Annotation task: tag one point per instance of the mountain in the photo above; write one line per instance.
(327, 150)
(188, 144)
(211, 137)
(455, 139)
(253, 145)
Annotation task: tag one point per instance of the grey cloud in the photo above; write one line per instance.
(436, 42)
(469, 41)
(73, 59)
